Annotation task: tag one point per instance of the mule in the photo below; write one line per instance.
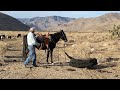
(54, 38)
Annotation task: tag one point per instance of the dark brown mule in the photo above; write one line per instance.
(54, 38)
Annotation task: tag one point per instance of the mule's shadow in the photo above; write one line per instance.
(67, 64)
(98, 67)
(55, 64)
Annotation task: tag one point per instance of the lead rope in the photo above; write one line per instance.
(64, 50)
(58, 54)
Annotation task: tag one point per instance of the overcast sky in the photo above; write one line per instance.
(73, 14)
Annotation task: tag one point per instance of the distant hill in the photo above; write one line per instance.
(8, 23)
(55, 23)
(43, 23)
(100, 23)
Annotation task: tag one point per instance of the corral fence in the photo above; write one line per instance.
(25, 49)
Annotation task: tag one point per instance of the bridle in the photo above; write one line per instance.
(63, 34)
(54, 40)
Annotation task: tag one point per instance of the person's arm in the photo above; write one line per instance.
(36, 44)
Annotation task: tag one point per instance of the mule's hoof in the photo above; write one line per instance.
(52, 63)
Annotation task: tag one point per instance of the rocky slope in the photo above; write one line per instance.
(43, 23)
(9, 23)
(101, 23)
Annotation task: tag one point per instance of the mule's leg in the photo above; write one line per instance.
(51, 51)
(47, 56)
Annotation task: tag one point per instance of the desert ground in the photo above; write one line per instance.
(97, 45)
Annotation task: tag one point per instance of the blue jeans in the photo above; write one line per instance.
(32, 55)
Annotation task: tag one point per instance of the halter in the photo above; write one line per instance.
(53, 39)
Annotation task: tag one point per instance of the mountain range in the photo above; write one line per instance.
(55, 23)
(43, 23)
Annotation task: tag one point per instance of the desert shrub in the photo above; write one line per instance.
(115, 33)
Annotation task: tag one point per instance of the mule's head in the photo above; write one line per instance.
(63, 36)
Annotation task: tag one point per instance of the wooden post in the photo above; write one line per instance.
(25, 48)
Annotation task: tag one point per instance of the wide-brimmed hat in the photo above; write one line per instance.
(32, 29)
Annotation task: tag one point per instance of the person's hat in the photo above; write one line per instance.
(32, 29)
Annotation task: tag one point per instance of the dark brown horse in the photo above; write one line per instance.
(54, 38)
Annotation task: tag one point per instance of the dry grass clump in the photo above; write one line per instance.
(3, 49)
(85, 50)
(78, 50)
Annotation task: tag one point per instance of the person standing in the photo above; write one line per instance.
(31, 41)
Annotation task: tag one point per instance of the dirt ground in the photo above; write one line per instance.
(85, 45)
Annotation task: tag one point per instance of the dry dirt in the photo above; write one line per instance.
(85, 45)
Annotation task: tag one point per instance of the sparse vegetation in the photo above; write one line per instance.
(115, 33)
(3, 49)
(80, 45)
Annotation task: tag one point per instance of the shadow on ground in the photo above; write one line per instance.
(13, 56)
(55, 64)
(14, 50)
(13, 59)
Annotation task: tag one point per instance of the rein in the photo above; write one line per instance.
(64, 50)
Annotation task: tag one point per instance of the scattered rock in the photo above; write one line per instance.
(71, 69)
(2, 70)
(109, 59)
(1, 64)
(46, 67)
(14, 60)
(111, 64)
(116, 75)
(103, 71)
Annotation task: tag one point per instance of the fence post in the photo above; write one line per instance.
(25, 47)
